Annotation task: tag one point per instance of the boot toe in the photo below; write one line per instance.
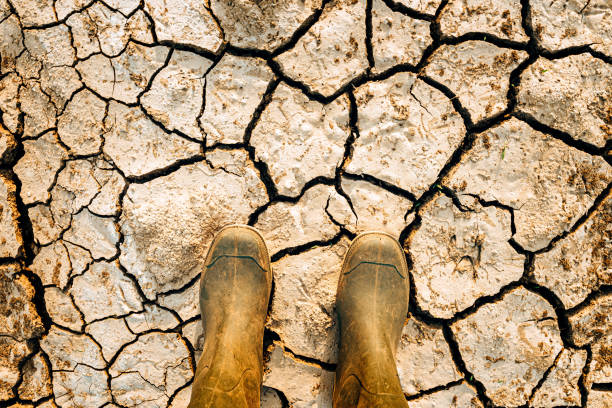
(239, 241)
(376, 248)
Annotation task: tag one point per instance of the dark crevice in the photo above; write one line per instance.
(590, 299)
(486, 37)
(449, 336)
(602, 387)
(558, 134)
(298, 249)
(392, 188)
(433, 390)
(544, 377)
(301, 30)
(582, 381)
(368, 34)
(534, 50)
(596, 206)
(410, 12)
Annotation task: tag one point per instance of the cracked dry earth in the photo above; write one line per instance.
(478, 133)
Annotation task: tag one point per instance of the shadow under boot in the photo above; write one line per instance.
(234, 292)
(372, 304)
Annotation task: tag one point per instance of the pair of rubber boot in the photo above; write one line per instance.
(371, 301)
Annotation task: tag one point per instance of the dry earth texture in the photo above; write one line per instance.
(478, 133)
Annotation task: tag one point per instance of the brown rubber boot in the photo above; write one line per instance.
(234, 292)
(372, 304)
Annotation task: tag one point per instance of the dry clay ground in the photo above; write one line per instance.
(478, 133)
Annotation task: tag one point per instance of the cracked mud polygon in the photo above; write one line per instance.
(478, 133)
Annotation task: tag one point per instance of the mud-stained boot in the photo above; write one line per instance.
(234, 292)
(372, 303)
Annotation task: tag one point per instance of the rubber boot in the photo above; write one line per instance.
(372, 304)
(234, 292)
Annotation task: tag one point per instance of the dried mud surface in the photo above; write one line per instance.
(478, 133)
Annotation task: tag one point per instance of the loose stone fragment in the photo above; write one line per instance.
(38, 110)
(152, 368)
(51, 46)
(36, 379)
(35, 12)
(549, 184)
(333, 51)
(581, 262)
(54, 265)
(427, 6)
(303, 384)
(45, 229)
(600, 370)
(126, 76)
(84, 36)
(185, 303)
(308, 136)
(424, 359)
(60, 83)
(140, 28)
(571, 94)
(592, 322)
(28, 67)
(61, 309)
(561, 386)
(460, 256)
(169, 222)
(9, 91)
(68, 351)
(19, 322)
(408, 130)
(499, 18)
(459, 396)
(138, 146)
(11, 241)
(376, 208)
(12, 353)
(19, 319)
(509, 345)
(37, 168)
(566, 24)
(112, 184)
(11, 45)
(175, 97)
(103, 291)
(303, 312)
(110, 29)
(478, 73)
(185, 22)
(97, 234)
(153, 317)
(77, 178)
(111, 334)
(83, 387)
(81, 125)
(234, 88)
(286, 225)
(397, 38)
(264, 25)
